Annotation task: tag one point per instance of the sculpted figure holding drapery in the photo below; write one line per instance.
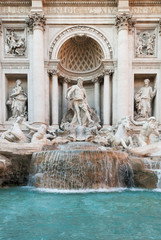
(143, 100)
(17, 101)
(78, 99)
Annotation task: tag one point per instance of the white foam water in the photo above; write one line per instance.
(86, 191)
(154, 166)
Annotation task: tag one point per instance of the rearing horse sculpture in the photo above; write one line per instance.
(122, 137)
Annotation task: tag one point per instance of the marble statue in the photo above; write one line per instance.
(148, 127)
(16, 44)
(143, 100)
(40, 135)
(122, 136)
(15, 134)
(76, 95)
(17, 101)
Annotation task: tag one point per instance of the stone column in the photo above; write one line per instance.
(53, 73)
(123, 20)
(65, 102)
(97, 95)
(2, 110)
(107, 99)
(37, 22)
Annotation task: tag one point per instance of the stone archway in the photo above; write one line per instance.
(80, 30)
(80, 51)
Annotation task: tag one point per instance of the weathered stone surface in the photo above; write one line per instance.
(15, 162)
(143, 178)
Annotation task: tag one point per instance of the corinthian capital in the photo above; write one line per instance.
(108, 71)
(124, 21)
(53, 71)
(36, 20)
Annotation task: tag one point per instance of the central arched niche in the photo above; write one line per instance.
(80, 54)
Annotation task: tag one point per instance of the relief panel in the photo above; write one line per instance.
(15, 42)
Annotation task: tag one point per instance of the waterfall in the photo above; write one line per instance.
(155, 166)
(80, 169)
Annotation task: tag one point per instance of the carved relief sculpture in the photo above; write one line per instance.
(145, 43)
(143, 100)
(17, 101)
(15, 43)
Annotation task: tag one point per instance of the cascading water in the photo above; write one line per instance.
(80, 166)
(154, 165)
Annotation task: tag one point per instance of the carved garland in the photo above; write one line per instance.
(82, 28)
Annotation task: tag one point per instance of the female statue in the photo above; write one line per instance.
(17, 101)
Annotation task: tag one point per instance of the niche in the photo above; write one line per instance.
(138, 84)
(10, 85)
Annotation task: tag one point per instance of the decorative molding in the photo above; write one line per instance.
(16, 3)
(79, 2)
(144, 3)
(84, 29)
(140, 64)
(124, 20)
(15, 65)
(36, 20)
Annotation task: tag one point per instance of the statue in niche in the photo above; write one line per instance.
(76, 95)
(143, 100)
(17, 101)
(148, 127)
(145, 44)
(15, 134)
(15, 43)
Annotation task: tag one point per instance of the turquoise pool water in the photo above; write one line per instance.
(29, 214)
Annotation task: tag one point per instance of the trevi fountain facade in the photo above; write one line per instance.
(80, 93)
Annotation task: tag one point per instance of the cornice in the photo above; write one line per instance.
(80, 2)
(15, 64)
(144, 3)
(15, 3)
